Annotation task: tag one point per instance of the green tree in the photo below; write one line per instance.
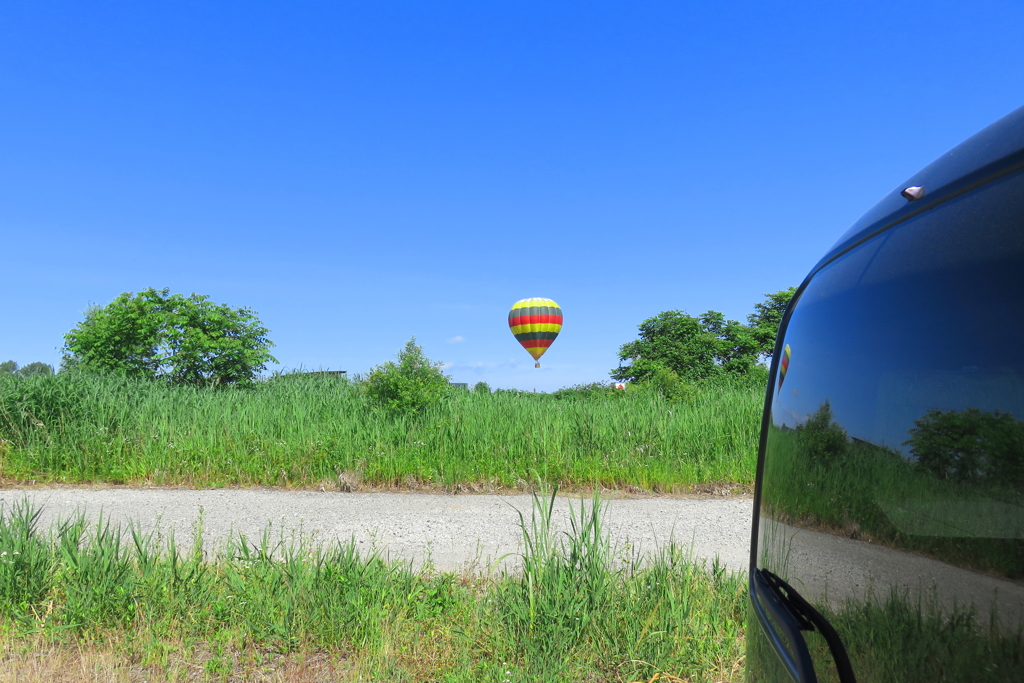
(37, 368)
(822, 438)
(697, 348)
(969, 445)
(408, 386)
(767, 316)
(673, 340)
(736, 349)
(185, 340)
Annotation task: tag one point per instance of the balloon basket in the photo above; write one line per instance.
(536, 365)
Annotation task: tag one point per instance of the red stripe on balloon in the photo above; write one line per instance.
(536, 343)
(535, 319)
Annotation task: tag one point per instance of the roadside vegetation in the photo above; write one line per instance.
(311, 431)
(163, 389)
(573, 608)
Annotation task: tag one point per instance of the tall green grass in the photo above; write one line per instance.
(311, 430)
(574, 609)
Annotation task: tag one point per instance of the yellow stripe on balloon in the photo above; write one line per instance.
(536, 301)
(536, 327)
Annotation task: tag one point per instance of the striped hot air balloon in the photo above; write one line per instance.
(784, 367)
(535, 323)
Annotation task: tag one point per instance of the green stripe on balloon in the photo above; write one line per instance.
(528, 336)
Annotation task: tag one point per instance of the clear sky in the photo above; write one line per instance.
(359, 173)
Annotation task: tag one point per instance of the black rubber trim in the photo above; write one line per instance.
(767, 601)
(793, 614)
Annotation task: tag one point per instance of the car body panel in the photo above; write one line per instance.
(890, 483)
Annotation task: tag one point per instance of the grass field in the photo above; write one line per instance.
(313, 431)
(83, 603)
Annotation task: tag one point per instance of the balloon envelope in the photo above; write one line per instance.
(784, 366)
(535, 323)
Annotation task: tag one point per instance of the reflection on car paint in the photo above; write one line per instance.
(892, 492)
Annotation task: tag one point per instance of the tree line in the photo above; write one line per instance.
(153, 334)
(11, 368)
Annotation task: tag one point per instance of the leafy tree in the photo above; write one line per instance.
(823, 439)
(482, 388)
(671, 339)
(969, 445)
(408, 386)
(186, 340)
(703, 347)
(11, 368)
(767, 316)
(37, 368)
(737, 349)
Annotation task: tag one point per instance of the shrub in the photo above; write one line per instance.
(593, 390)
(408, 386)
(667, 383)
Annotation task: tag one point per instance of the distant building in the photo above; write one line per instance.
(337, 374)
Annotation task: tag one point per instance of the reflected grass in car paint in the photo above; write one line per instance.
(900, 638)
(902, 635)
(866, 495)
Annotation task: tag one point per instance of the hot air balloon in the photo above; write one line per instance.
(535, 323)
(784, 367)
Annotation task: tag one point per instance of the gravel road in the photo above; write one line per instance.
(456, 532)
(471, 532)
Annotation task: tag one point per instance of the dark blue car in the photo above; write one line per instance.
(888, 539)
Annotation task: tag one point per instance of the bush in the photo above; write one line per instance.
(593, 390)
(408, 386)
(754, 378)
(482, 388)
(665, 382)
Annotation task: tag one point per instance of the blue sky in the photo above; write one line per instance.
(359, 173)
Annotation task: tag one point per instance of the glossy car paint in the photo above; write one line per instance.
(890, 487)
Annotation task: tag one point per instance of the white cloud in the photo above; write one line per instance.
(456, 340)
(480, 366)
